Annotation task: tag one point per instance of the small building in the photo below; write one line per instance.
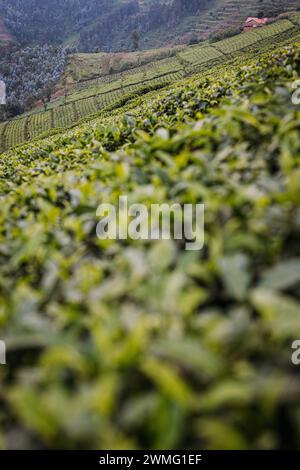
(252, 23)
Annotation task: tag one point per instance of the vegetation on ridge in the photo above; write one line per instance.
(107, 25)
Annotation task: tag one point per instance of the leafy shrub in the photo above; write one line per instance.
(223, 34)
(125, 344)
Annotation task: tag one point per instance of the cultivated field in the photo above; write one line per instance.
(84, 99)
(131, 344)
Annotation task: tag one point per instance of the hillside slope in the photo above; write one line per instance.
(5, 37)
(108, 25)
(80, 98)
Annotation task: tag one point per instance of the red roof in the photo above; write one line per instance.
(251, 19)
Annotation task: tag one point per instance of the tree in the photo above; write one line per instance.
(135, 40)
(46, 98)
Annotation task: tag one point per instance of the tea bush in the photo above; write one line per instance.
(123, 344)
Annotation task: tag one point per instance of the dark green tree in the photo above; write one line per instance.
(135, 40)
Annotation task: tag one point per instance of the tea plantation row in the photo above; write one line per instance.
(77, 105)
(122, 344)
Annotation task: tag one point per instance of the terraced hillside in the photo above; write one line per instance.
(219, 15)
(138, 344)
(84, 66)
(88, 98)
(107, 25)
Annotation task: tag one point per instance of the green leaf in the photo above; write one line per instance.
(235, 274)
(282, 276)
